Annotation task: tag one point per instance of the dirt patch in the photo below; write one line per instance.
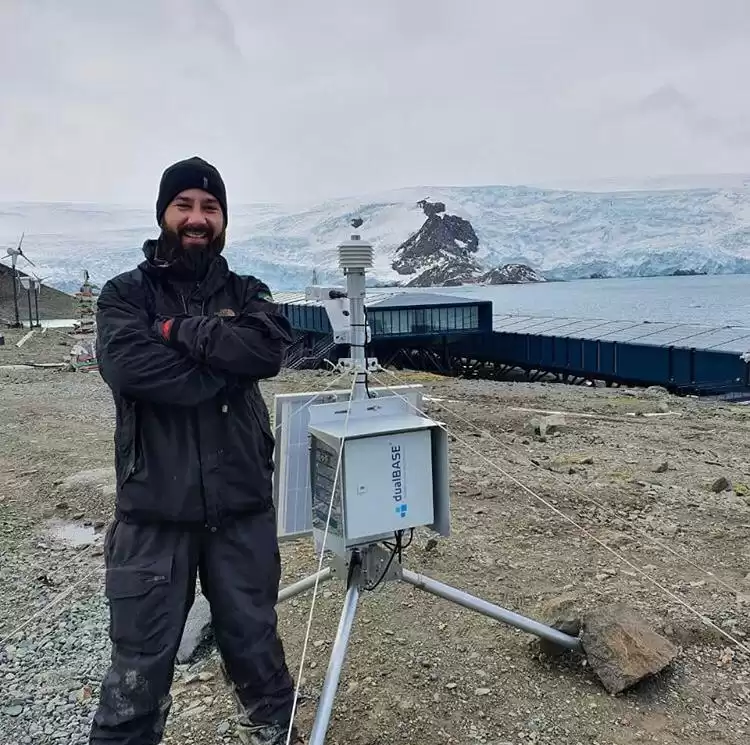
(528, 510)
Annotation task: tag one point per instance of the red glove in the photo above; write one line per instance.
(164, 328)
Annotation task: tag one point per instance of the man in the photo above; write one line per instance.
(182, 342)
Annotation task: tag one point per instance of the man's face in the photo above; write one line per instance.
(195, 217)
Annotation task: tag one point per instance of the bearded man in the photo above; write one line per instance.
(182, 342)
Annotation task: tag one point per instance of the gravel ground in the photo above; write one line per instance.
(637, 470)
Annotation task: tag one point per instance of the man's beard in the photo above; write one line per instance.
(192, 262)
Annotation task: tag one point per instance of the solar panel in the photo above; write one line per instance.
(292, 494)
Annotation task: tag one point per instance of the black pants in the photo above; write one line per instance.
(150, 583)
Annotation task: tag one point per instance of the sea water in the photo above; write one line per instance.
(717, 300)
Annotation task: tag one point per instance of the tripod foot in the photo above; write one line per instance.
(488, 609)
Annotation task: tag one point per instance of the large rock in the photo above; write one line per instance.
(92, 477)
(102, 480)
(547, 425)
(563, 613)
(621, 649)
(198, 632)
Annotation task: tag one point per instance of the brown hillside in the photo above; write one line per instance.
(52, 303)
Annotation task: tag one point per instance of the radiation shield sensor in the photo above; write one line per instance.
(392, 474)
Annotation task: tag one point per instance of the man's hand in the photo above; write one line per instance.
(167, 328)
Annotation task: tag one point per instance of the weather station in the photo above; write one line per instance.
(357, 469)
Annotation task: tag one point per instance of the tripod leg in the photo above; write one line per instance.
(304, 584)
(338, 654)
(488, 609)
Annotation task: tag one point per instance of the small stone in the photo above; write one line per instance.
(13, 711)
(547, 425)
(482, 692)
(451, 686)
(663, 467)
(223, 728)
(721, 484)
(655, 391)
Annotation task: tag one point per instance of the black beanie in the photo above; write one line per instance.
(193, 173)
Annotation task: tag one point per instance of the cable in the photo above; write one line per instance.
(55, 601)
(406, 545)
(395, 550)
(367, 347)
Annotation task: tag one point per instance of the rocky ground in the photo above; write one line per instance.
(632, 497)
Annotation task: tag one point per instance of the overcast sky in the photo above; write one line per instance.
(300, 100)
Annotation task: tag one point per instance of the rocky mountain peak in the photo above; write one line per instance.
(440, 252)
(510, 274)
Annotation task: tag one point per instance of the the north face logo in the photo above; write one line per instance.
(205, 182)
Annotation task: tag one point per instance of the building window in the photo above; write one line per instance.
(377, 322)
(423, 320)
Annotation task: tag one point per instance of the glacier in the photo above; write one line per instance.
(562, 233)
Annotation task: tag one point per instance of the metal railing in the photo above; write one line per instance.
(305, 359)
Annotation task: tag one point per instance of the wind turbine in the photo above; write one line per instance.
(36, 285)
(13, 254)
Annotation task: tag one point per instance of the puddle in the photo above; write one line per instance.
(73, 533)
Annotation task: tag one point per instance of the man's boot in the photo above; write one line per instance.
(265, 734)
(252, 733)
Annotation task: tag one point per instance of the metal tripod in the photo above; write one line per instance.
(361, 569)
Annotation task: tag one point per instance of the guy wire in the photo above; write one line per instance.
(590, 535)
(572, 488)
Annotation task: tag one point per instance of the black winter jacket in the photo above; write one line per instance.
(193, 442)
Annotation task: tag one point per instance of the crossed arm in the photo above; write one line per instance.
(188, 359)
